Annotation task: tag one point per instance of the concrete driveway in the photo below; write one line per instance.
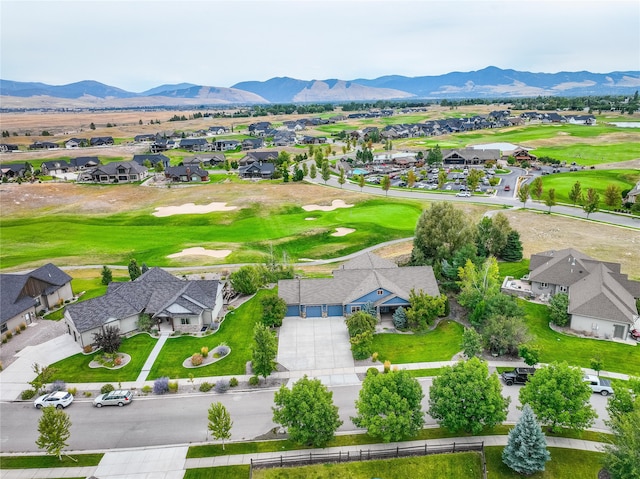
(317, 347)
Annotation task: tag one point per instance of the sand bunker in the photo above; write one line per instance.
(191, 209)
(342, 231)
(200, 251)
(335, 204)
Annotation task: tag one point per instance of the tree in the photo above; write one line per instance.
(53, 427)
(274, 309)
(473, 179)
(361, 182)
(536, 187)
(424, 309)
(134, 269)
(596, 364)
(360, 322)
(246, 280)
(441, 231)
(530, 354)
(575, 194)
(492, 234)
(220, 422)
(305, 170)
(442, 179)
(313, 171)
(591, 202)
(613, 196)
(558, 307)
(526, 449)
(307, 411)
(44, 375)
(389, 406)
(471, 343)
(385, 184)
(400, 318)
(503, 334)
(550, 199)
(326, 173)
(108, 339)
(107, 275)
(512, 251)
(560, 398)
(523, 194)
(92, 126)
(622, 458)
(434, 157)
(625, 399)
(465, 398)
(265, 349)
(411, 178)
(478, 283)
(341, 179)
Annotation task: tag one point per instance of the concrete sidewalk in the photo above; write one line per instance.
(172, 462)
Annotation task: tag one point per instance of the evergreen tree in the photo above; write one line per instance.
(134, 269)
(400, 318)
(107, 275)
(512, 252)
(313, 172)
(526, 449)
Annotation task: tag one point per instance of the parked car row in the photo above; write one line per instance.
(63, 399)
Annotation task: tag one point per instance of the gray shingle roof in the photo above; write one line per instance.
(153, 293)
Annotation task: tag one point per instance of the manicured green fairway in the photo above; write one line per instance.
(597, 179)
(75, 369)
(441, 344)
(248, 232)
(620, 358)
(236, 331)
(588, 155)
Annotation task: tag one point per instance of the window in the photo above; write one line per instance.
(184, 321)
(563, 289)
(4, 328)
(380, 292)
(544, 285)
(355, 309)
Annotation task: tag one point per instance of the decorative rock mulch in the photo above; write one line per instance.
(210, 359)
(125, 360)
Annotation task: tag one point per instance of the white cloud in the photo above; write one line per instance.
(139, 44)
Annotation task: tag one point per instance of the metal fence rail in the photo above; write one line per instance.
(366, 455)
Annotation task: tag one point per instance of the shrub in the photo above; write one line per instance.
(233, 382)
(400, 318)
(161, 385)
(58, 385)
(27, 394)
(16, 331)
(9, 335)
(374, 357)
(204, 351)
(387, 366)
(372, 371)
(107, 388)
(173, 386)
(73, 391)
(4, 340)
(254, 381)
(87, 349)
(87, 394)
(222, 350)
(215, 326)
(222, 386)
(205, 387)
(23, 326)
(196, 359)
(146, 389)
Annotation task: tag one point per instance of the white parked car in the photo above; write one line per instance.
(463, 194)
(59, 399)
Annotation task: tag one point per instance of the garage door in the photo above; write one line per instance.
(314, 311)
(335, 310)
(293, 311)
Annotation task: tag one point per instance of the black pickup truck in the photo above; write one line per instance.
(517, 376)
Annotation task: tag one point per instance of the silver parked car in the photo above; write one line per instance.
(119, 397)
(59, 399)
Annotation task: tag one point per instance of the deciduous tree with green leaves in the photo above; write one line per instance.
(54, 428)
(442, 179)
(247, 280)
(473, 179)
(307, 412)
(313, 171)
(389, 406)
(559, 397)
(537, 187)
(264, 351)
(530, 353)
(471, 343)
(360, 322)
(361, 182)
(341, 179)
(424, 309)
(575, 193)
(385, 184)
(558, 307)
(411, 178)
(274, 309)
(591, 202)
(478, 283)
(220, 422)
(523, 194)
(465, 398)
(550, 199)
(326, 173)
(526, 450)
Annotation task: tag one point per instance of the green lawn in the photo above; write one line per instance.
(249, 232)
(46, 462)
(564, 463)
(75, 369)
(441, 344)
(618, 357)
(597, 179)
(515, 270)
(223, 472)
(236, 331)
(587, 155)
(466, 465)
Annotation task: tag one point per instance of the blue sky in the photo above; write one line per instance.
(139, 44)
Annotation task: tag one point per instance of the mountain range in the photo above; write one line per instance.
(490, 82)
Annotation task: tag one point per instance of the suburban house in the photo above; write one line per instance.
(116, 172)
(175, 304)
(83, 162)
(260, 128)
(469, 156)
(257, 169)
(253, 156)
(205, 160)
(24, 295)
(43, 145)
(217, 130)
(225, 145)
(153, 159)
(195, 144)
(6, 147)
(601, 298)
(76, 143)
(55, 167)
(364, 279)
(144, 138)
(13, 170)
(101, 141)
(252, 143)
(632, 196)
(186, 174)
